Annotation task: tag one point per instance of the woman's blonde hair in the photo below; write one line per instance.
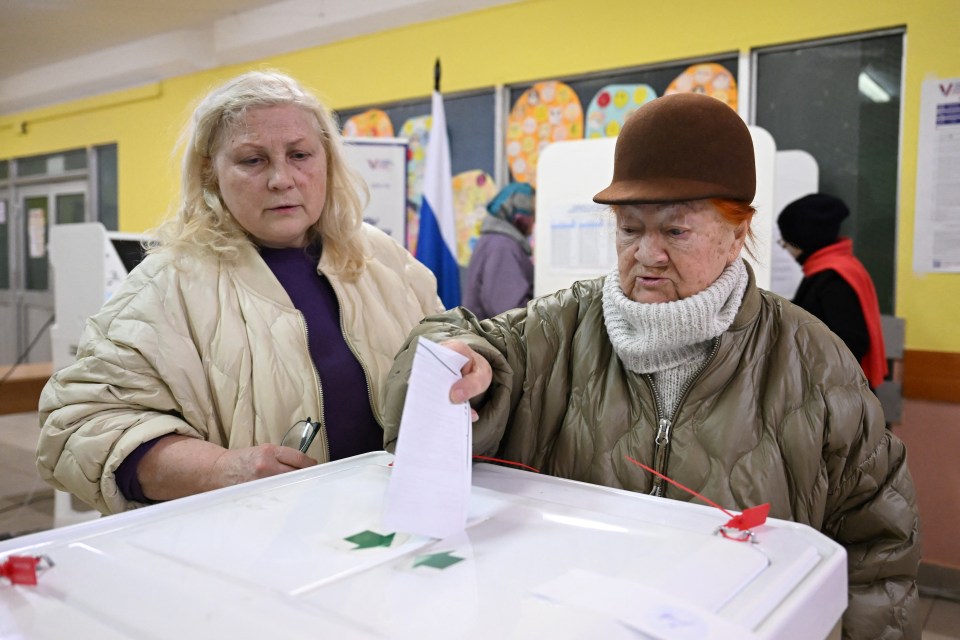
(203, 224)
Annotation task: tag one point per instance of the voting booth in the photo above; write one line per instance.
(305, 555)
(89, 263)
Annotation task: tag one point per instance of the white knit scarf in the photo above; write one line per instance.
(671, 339)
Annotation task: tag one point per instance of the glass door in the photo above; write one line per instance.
(9, 341)
(41, 207)
(839, 100)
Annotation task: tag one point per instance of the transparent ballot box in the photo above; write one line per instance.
(305, 555)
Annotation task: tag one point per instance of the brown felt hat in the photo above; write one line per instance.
(684, 146)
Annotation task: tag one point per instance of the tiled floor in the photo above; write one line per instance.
(941, 619)
(26, 505)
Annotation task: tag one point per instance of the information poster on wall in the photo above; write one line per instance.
(582, 238)
(937, 217)
(382, 162)
(37, 233)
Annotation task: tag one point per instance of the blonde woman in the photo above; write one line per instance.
(266, 303)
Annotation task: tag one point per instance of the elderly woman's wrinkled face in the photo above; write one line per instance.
(272, 172)
(668, 252)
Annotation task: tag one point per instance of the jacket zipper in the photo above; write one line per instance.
(662, 440)
(316, 379)
(664, 426)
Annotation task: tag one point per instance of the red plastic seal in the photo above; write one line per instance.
(24, 569)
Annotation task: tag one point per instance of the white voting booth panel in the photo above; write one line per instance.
(304, 555)
(88, 268)
(797, 175)
(574, 237)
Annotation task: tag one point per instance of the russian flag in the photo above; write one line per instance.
(437, 242)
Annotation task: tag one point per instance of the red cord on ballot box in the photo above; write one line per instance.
(745, 521)
(737, 528)
(510, 462)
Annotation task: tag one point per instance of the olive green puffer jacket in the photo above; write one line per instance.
(781, 414)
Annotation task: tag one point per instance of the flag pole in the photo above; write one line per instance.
(437, 236)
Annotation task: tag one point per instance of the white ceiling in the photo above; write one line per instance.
(57, 50)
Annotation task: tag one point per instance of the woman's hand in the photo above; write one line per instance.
(234, 466)
(178, 466)
(477, 375)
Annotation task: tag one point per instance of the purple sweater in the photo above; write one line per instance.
(350, 425)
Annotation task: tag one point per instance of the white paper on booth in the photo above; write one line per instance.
(429, 486)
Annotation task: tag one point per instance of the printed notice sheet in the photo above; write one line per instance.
(429, 486)
(937, 218)
(582, 239)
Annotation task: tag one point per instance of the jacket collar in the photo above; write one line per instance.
(729, 349)
(254, 274)
(750, 306)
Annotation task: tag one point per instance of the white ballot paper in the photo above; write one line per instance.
(430, 483)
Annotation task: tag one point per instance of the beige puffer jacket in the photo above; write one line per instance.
(216, 352)
(781, 414)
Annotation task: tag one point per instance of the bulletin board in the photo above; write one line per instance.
(471, 125)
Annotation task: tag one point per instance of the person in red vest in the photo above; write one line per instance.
(836, 287)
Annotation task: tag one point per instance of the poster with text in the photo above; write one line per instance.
(937, 217)
(381, 162)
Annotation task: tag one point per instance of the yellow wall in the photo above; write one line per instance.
(531, 40)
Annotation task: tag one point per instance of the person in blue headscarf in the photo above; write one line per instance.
(500, 275)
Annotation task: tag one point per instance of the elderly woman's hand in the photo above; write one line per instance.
(477, 375)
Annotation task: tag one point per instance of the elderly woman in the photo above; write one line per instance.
(678, 360)
(266, 303)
